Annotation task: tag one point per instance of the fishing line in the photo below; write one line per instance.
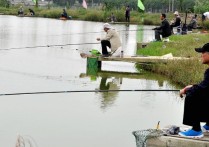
(47, 46)
(42, 46)
(101, 32)
(85, 91)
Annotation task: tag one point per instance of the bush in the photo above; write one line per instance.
(148, 22)
(206, 24)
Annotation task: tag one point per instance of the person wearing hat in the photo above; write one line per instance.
(176, 22)
(197, 101)
(163, 30)
(111, 40)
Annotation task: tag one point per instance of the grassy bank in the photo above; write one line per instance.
(181, 72)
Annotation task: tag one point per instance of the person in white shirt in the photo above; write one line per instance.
(205, 15)
(111, 40)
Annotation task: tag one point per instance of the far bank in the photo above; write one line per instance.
(100, 15)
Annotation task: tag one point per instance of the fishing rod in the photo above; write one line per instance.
(85, 91)
(46, 46)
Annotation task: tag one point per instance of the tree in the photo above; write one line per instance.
(4, 3)
(201, 6)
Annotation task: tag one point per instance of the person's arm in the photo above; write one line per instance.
(161, 27)
(201, 88)
(109, 35)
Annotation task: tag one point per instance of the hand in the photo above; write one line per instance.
(98, 39)
(183, 91)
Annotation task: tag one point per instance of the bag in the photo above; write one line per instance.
(173, 130)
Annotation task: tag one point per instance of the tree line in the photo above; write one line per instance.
(197, 6)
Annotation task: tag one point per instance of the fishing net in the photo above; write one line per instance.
(25, 141)
(142, 136)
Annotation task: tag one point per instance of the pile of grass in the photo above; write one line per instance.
(181, 72)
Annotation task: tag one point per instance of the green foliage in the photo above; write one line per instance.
(163, 5)
(55, 13)
(109, 4)
(5, 3)
(64, 2)
(148, 22)
(201, 6)
(206, 24)
(92, 16)
(119, 4)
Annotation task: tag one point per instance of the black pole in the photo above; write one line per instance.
(84, 91)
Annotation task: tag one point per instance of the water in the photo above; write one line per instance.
(75, 119)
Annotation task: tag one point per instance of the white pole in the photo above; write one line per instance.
(173, 6)
(169, 8)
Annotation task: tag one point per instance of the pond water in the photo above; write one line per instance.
(40, 54)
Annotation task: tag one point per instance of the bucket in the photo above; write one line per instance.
(92, 71)
(92, 62)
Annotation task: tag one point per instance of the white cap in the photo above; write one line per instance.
(176, 13)
(107, 25)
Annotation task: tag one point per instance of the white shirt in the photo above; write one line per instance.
(206, 14)
(113, 36)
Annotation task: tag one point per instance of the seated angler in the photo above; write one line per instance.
(31, 12)
(163, 30)
(176, 22)
(64, 14)
(111, 40)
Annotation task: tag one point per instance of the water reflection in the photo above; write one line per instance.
(108, 98)
(113, 80)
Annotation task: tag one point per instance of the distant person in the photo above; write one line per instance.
(176, 22)
(111, 40)
(163, 30)
(112, 18)
(127, 14)
(197, 101)
(193, 23)
(205, 16)
(31, 12)
(64, 14)
(21, 11)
